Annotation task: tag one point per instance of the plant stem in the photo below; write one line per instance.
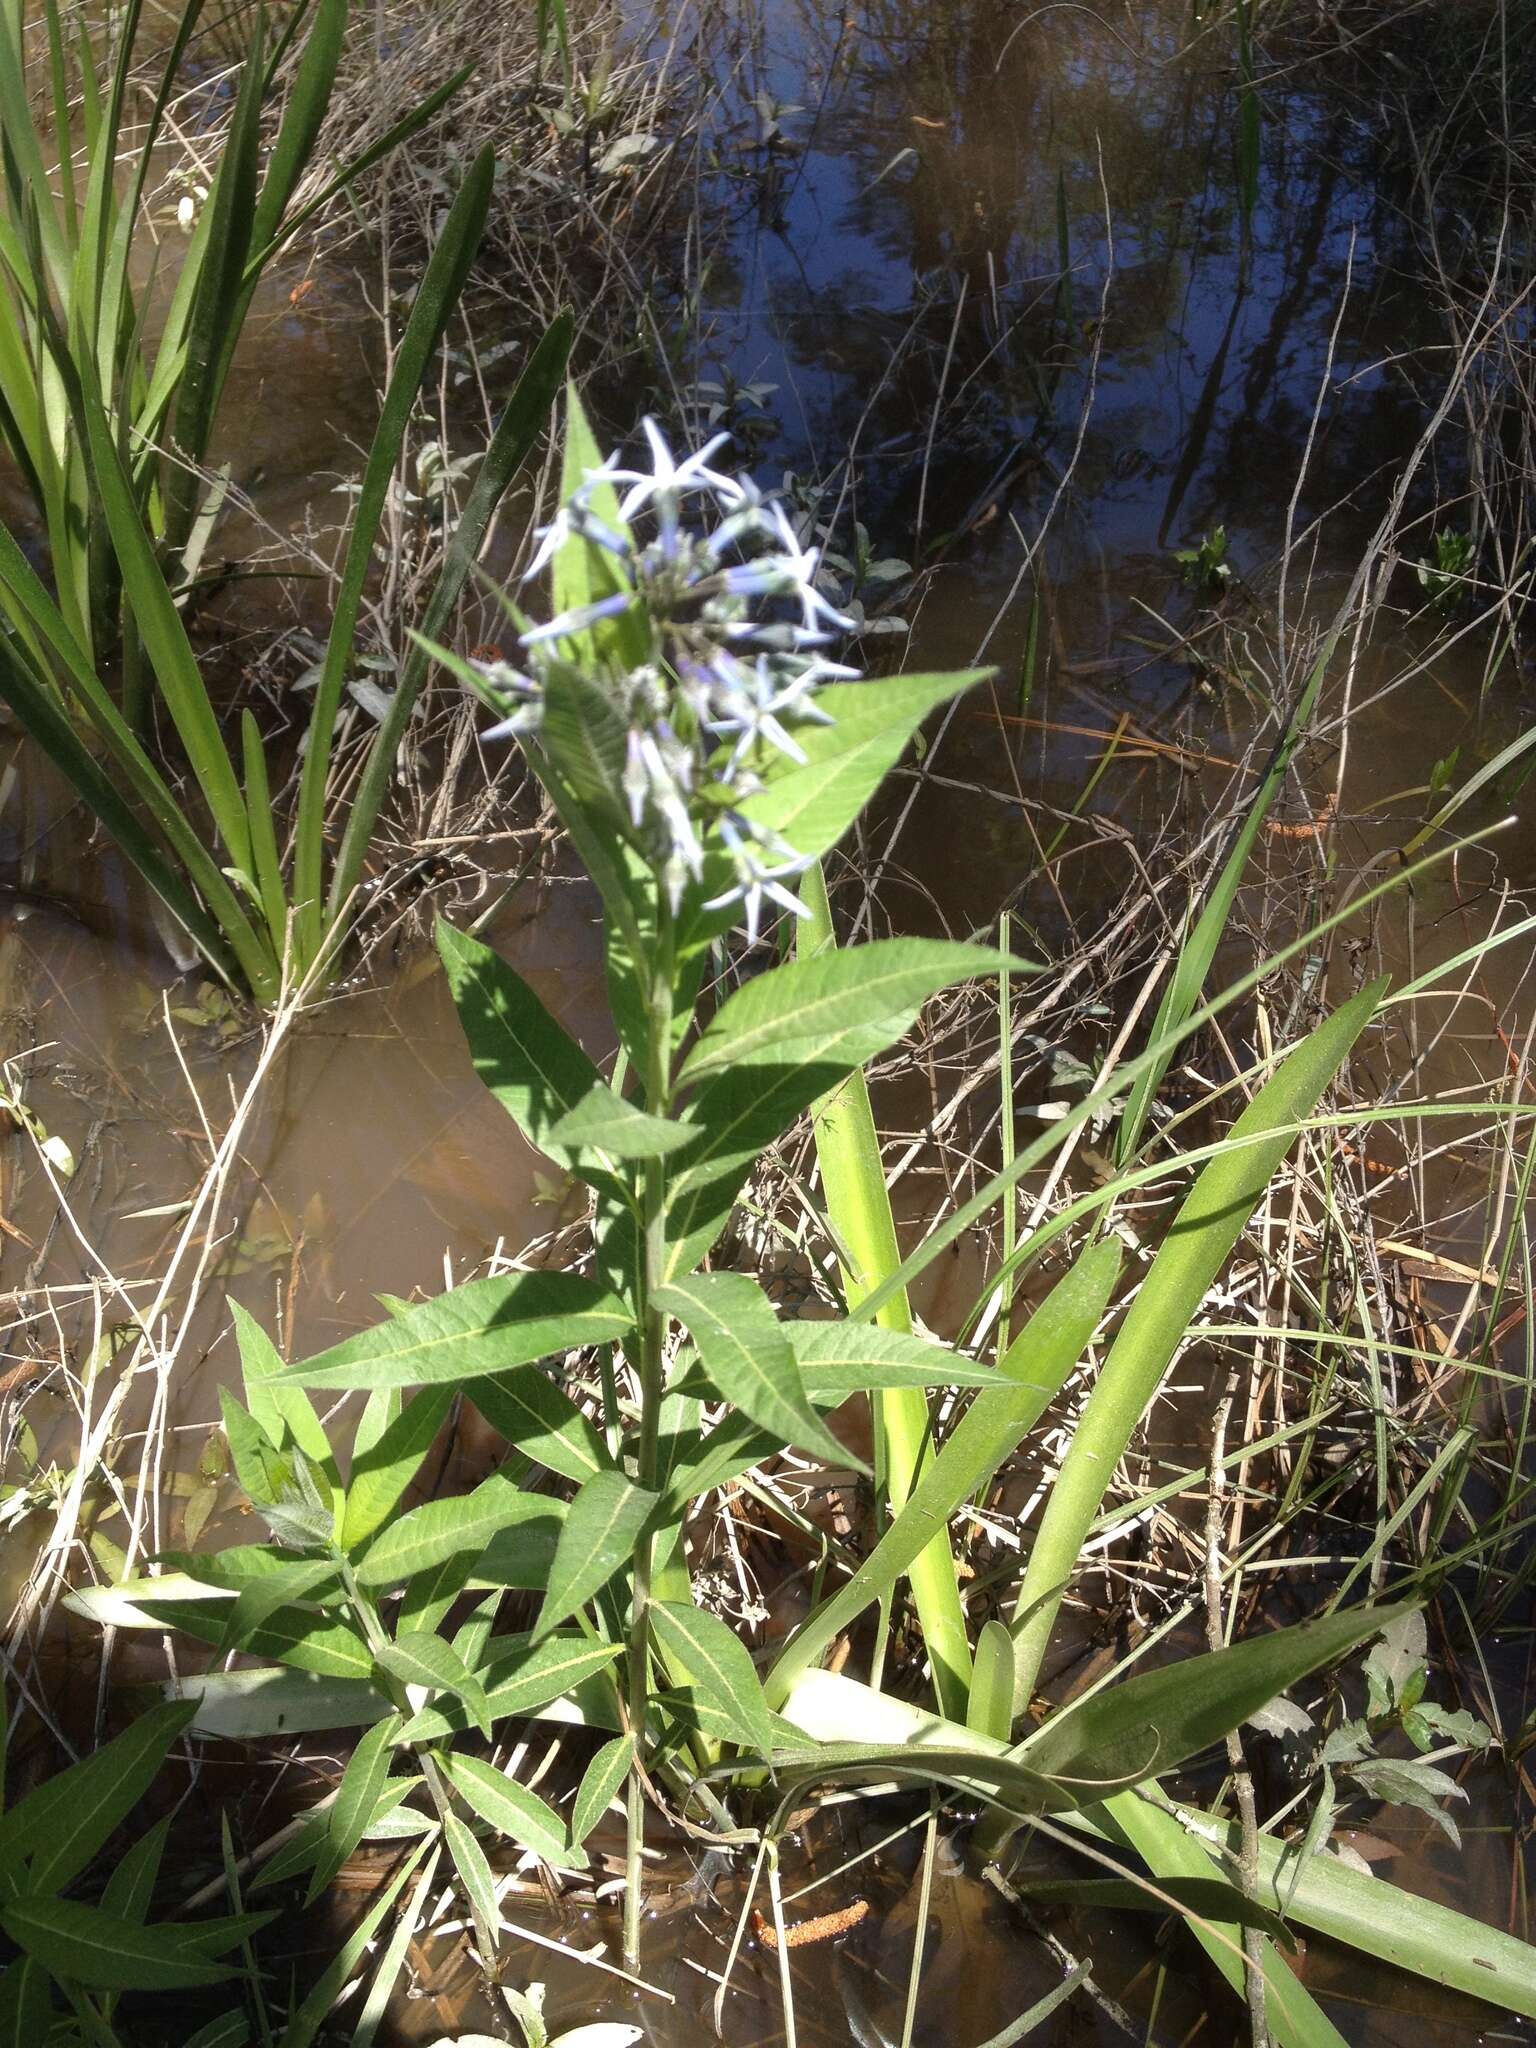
(653, 1339)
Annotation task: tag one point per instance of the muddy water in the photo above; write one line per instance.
(1003, 258)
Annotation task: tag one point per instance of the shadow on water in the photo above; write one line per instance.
(1000, 257)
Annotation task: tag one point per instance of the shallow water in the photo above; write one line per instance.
(890, 259)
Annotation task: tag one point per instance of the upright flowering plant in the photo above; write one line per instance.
(683, 705)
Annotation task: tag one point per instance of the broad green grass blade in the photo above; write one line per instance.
(1045, 1351)
(1294, 2017)
(859, 1213)
(1208, 1225)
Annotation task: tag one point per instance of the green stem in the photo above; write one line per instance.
(653, 1338)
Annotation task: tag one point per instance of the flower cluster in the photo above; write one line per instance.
(736, 628)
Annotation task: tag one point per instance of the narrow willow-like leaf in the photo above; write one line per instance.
(461, 1525)
(252, 1705)
(474, 1871)
(357, 1796)
(482, 1327)
(603, 1526)
(533, 1067)
(66, 1821)
(717, 1661)
(837, 1359)
(841, 1006)
(542, 1421)
(279, 1408)
(748, 1357)
(605, 1123)
(520, 1683)
(600, 1785)
(83, 1945)
(1208, 1225)
(812, 803)
(384, 1468)
(417, 1658)
(1038, 1362)
(305, 2023)
(257, 1602)
(263, 1471)
(583, 572)
(508, 1807)
(130, 1887)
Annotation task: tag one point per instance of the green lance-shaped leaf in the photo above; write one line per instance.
(384, 1468)
(249, 1706)
(717, 1662)
(531, 1064)
(520, 1683)
(842, 1007)
(839, 1358)
(812, 803)
(83, 1945)
(284, 1411)
(305, 2023)
(608, 1124)
(542, 1421)
(264, 1472)
(130, 1887)
(508, 1807)
(417, 1658)
(474, 1871)
(356, 1798)
(836, 1359)
(1208, 1225)
(748, 1357)
(460, 1526)
(602, 1529)
(62, 1824)
(26, 2003)
(600, 1783)
(1037, 1363)
(583, 572)
(256, 1603)
(484, 1326)
(1157, 1720)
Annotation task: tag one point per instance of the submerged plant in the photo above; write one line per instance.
(704, 750)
